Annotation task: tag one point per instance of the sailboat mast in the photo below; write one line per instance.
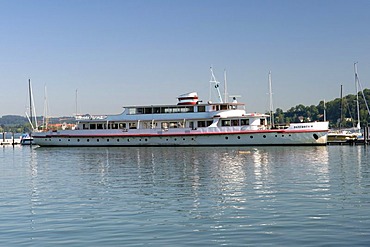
(341, 106)
(45, 118)
(30, 96)
(357, 103)
(225, 87)
(271, 105)
(76, 102)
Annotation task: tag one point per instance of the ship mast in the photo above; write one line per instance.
(217, 85)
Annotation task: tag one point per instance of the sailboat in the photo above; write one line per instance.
(26, 138)
(359, 87)
(341, 135)
(353, 134)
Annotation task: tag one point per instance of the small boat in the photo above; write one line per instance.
(342, 136)
(26, 139)
(190, 122)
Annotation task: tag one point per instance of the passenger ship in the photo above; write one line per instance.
(187, 123)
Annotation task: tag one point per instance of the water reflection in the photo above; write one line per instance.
(188, 195)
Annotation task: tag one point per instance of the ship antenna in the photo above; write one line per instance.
(217, 85)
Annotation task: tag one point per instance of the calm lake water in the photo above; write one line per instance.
(240, 196)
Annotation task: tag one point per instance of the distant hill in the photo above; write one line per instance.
(8, 120)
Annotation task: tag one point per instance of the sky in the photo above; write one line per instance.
(112, 53)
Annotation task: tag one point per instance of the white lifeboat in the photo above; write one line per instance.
(188, 99)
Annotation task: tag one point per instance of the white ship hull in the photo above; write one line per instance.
(188, 137)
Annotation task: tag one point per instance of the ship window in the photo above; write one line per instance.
(156, 110)
(132, 111)
(244, 121)
(114, 126)
(147, 125)
(201, 123)
(235, 122)
(92, 126)
(122, 125)
(139, 110)
(148, 110)
(223, 107)
(187, 109)
(84, 126)
(225, 123)
(132, 125)
(168, 110)
(173, 124)
(201, 108)
(99, 126)
(176, 110)
(164, 125)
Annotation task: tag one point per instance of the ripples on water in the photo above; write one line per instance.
(275, 196)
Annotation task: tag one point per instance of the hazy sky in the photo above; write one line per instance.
(138, 52)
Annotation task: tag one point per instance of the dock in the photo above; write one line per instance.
(5, 141)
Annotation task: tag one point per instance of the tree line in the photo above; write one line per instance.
(340, 112)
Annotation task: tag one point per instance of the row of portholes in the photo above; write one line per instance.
(264, 136)
(118, 140)
(167, 139)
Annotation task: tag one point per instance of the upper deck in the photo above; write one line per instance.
(167, 111)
